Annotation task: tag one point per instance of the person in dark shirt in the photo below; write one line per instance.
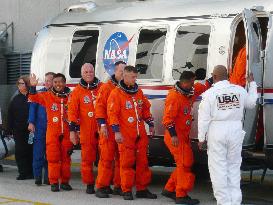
(1, 166)
(18, 124)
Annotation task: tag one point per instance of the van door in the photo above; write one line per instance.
(254, 65)
(268, 90)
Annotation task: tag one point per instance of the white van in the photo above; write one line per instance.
(163, 38)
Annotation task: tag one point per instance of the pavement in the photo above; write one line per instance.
(14, 192)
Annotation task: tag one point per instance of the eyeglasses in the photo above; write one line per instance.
(20, 83)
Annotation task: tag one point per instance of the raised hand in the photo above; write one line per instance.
(33, 80)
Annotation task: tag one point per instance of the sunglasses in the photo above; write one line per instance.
(20, 83)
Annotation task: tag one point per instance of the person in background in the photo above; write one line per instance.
(18, 125)
(37, 125)
(238, 74)
(200, 74)
(1, 123)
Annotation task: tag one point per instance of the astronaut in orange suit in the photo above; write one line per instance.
(57, 135)
(177, 119)
(127, 111)
(81, 112)
(108, 147)
(238, 73)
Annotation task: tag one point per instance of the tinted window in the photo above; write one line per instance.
(83, 50)
(191, 49)
(150, 50)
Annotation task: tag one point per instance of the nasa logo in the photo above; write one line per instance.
(116, 49)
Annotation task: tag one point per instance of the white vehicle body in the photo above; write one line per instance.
(162, 38)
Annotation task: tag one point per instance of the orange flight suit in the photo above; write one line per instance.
(57, 135)
(81, 111)
(177, 115)
(127, 113)
(238, 74)
(108, 146)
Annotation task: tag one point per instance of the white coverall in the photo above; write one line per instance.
(220, 119)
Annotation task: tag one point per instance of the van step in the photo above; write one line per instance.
(257, 155)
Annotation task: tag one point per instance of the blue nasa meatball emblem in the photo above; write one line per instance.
(116, 49)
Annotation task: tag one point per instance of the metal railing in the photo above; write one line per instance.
(4, 33)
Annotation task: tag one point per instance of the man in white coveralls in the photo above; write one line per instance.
(220, 120)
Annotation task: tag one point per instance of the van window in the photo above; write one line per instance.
(150, 50)
(191, 50)
(83, 50)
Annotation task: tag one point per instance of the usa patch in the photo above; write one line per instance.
(228, 101)
(128, 105)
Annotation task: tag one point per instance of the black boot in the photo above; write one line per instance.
(90, 189)
(102, 193)
(145, 194)
(186, 200)
(117, 191)
(108, 190)
(1, 168)
(168, 194)
(128, 196)
(46, 181)
(38, 181)
(66, 187)
(55, 187)
(20, 177)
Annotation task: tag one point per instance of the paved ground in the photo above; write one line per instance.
(25, 192)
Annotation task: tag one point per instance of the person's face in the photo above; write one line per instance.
(48, 81)
(119, 72)
(88, 74)
(187, 84)
(22, 87)
(59, 84)
(130, 78)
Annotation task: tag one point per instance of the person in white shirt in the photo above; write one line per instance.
(220, 121)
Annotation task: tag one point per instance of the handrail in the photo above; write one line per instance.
(5, 32)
